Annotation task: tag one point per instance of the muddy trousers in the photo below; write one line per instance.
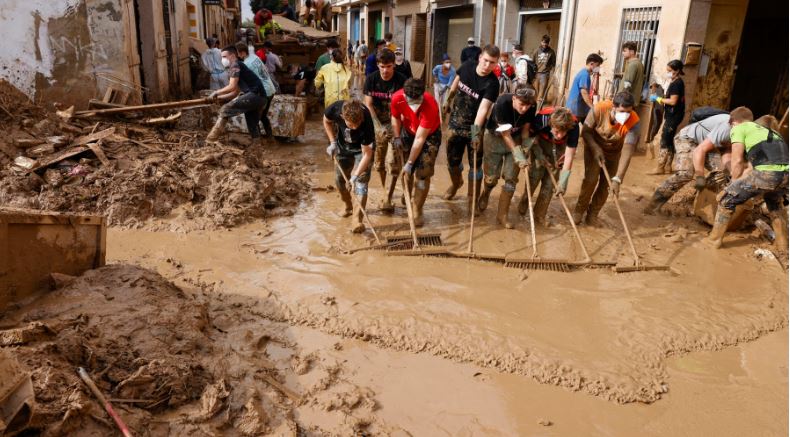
(267, 124)
(249, 104)
(539, 174)
(459, 141)
(498, 161)
(771, 184)
(595, 187)
(684, 169)
(347, 163)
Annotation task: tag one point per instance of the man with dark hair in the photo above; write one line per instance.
(417, 131)
(247, 92)
(517, 51)
(507, 129)
(556, 136)
(326, 57)
(474, 90)
(286, 11)
(546, 59)
(402, 66)
(254, 63)
(633, 73)
(371, 63)
(471, 51)
(580, 100)
(379, 88)
(610, 133)
(349, 127)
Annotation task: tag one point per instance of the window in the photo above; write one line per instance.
(540, 4)
(639, 25)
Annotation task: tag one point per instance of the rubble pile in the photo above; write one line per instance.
(132, 173)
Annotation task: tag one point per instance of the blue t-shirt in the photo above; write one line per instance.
(442, 79)
(370, 64)
(575, 101)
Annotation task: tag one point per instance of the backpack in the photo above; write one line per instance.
(704, 112)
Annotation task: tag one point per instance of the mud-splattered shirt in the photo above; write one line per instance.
(472, 89)
(381, 91)
(350, 141)
(541, 126)
(503, 113)
(248, 81)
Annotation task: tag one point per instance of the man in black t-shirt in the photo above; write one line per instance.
(349, 127)
(379, 87)
(507, 128)
(246, 90)
(472, 93)
(471, 52)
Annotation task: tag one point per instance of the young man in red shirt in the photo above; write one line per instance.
(417, 135)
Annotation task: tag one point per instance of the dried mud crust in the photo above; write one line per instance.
(175, 362)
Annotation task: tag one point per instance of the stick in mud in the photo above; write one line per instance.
(105, 403)
(354, 196)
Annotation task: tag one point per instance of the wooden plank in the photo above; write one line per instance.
(101, 245)
(53, 159)
(93, 137)
(44, 218)
(107, 95)
(97, 150)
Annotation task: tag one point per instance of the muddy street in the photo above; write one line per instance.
(500, 351)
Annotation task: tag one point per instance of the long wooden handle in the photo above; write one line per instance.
(622, 217)
(407, 195)
(531, 212)
(166, 105)
(105, 403)
(470, 247)
(354, 196)
(568, 213)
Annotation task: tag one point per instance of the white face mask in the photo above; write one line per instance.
(669, 75)
(596, 70)
(448, 64)
(622, 117)
(226, 62)
(414, 104)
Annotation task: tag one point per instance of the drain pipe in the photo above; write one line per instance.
(567, 33)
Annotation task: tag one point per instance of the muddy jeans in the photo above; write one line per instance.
(540, 174)
(668, 135)
(595, 187)
(347, 163)
(383, 158)
(249, 104)
(684, 167)
(459, 141)
(498, 161)
(771, 184)
(424, 165)
(541, 84)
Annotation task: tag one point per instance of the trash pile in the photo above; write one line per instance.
(131, 172)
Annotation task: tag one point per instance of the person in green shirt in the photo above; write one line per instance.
(326, 57)
(767, 153)
(633, 73)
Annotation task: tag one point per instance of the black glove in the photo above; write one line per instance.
(700, 182)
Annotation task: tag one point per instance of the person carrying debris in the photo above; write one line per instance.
(349, 127)
(556, 136)
(264, 24)
(767, 153)
(211, 61)
(443, 76)
(335, 79)
(674, 111)
(472, 93)
(610, 133)
(379, 88)
(694, 152)
(507, 129)
(254, 63)
(247, 94)
(417, 132)
(546, 59)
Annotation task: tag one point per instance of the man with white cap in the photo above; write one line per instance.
(471, 51)
(402, 66)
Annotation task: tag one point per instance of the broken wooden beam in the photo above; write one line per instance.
(167, 105)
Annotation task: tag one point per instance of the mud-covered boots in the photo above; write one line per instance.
(668, 164)
(418, 201)
(345, 196)
(661, 162)
(217, 130)
(456, 181)
(504, 207)
(654, 205)
(523, 204)
(357, 226)
(779, 224)
(720, 223)
(482, 201)
(472, 190)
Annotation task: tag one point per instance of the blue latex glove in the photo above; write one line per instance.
(653, 98)
(565, 175)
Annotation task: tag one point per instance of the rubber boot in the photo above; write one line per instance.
(383, 177)
(654, 205)
(720, 223)
(386, 204)
(668, 165)
(357, 226)
(418, 201)
(661, 162)
(217, 130)
(593, 220)
(779, 224)
(482, 201)
(474, 187)
(523, 204)
(504, 207)
(456, 182)
(345, 196)
(577, 215)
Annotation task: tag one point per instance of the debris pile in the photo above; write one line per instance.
(133, 173)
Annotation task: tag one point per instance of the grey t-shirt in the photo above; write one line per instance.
(715, 128)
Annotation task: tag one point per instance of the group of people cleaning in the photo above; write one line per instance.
(397, 132)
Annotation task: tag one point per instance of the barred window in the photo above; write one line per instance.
(639, 25)
(527, 5)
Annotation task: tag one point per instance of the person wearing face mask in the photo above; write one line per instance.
(402, 66)
(474, 90)
(335, 79)
(443, 76)
(517, 51)
(349, 127)
(556, 136)
(417, 132)
(580, 99)
(247, 93)
(507, 129)
(326, 58)
(610, 133)
(504, 72)
(546, 59)
(471, 51)
(211, 61)
(633, 73)
(379, 88)
(674, 109)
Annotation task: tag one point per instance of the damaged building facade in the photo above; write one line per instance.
(72, 51)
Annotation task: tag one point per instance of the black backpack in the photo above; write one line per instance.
(704, 112)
